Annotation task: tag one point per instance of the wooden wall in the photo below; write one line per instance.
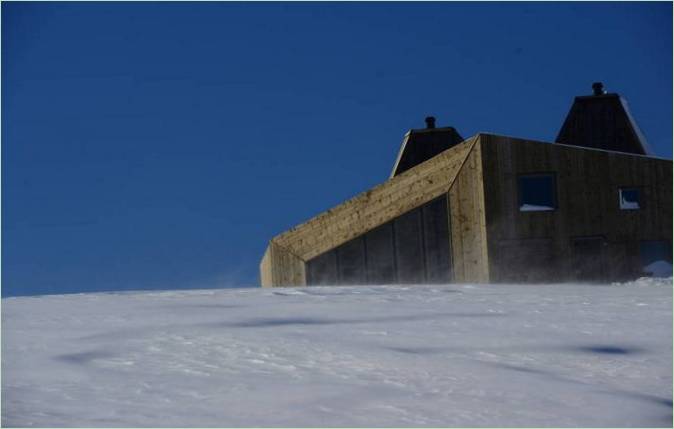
(412, 248)
(540, 246)
(467, 220)
(360, 214)
(280, 267)
(587, 236)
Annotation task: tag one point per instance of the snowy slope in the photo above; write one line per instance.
(456, 355)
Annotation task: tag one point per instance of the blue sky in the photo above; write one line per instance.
(160, 146)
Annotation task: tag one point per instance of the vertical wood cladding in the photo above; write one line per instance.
(280, 267)
(436, 239)
(323, 269)
(587, 237)
(522, 261)
(468, 228)
(412, 248)
(381, 267)
(377, 206)
(351, 262)
(589, 263)
(456, 217)
(409, 249)
(369, 214)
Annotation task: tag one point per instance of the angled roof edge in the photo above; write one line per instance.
(417, 131)
(571, 146)
(273, 242)
(581, 117)
(378, 205)
(400, 153)
(640, 136)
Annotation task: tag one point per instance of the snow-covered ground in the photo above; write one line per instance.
(455, 355)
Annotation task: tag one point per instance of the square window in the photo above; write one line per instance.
(629, 198)
(537, 193)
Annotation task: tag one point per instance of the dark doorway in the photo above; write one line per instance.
(588, 258)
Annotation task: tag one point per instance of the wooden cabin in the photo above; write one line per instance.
(594, 206)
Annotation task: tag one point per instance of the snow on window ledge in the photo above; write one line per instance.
(629, 205)
(535, 208)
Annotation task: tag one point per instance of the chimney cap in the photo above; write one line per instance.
(430, 122)
(598, 88)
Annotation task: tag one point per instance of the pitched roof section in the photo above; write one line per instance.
(603, 121)
(423, 144)
(376, 206)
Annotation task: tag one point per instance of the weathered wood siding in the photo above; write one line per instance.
(586, 237)
(412, 248)
(266, 277)
(361, 214)
(547, 245)
(467, 220)
(280, 267)
(376, 206)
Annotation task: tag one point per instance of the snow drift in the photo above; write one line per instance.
(454, 355)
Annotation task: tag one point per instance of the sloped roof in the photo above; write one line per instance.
(603, 122)
(420, 145)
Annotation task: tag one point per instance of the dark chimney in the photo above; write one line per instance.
(430, 122)
(598, 88)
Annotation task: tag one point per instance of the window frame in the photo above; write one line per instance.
(555, 200)
(639, 199)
